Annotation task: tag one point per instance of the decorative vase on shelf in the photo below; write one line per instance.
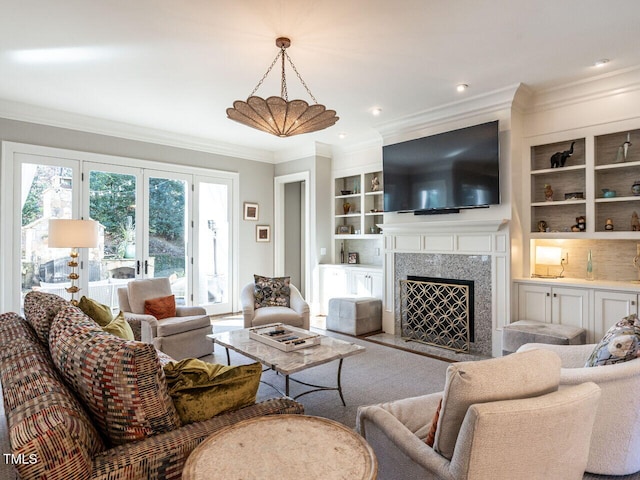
(346, 207)
(589, 266)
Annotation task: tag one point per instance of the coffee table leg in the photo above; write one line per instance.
(228, 357)
(318, 388)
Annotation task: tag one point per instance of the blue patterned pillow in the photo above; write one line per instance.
(271, 292)
(620, 344)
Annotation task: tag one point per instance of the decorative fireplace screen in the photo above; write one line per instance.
(437, 312)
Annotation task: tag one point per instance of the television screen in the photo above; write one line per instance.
(448, 171)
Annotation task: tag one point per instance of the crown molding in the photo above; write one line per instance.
(454, 111)
(594, 88)
(57, 118)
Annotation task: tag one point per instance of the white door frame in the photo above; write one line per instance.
(279, 224)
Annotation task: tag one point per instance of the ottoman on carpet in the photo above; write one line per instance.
(531, 331)
(355, 315)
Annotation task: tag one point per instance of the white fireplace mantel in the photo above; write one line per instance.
(477, 226)
(487, 237)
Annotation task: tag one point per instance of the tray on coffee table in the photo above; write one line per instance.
(284, 337)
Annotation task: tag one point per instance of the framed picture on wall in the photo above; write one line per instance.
(263, 233)
(352, 257)
(250, 211)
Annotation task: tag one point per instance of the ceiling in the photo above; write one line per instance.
(176, 66)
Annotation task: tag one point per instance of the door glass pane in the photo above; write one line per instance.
(46, 192)
(167, 238)
(112, 202)
(214, 253)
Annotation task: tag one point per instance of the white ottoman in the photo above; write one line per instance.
(518, 333)
(355, 315)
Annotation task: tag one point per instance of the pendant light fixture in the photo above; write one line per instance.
(278, 115)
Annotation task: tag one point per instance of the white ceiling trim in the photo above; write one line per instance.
(400, 129)
(56, 118)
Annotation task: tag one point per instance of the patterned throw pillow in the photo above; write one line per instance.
(40, 309)
(620, 344)
(271, 292)
(120, 382)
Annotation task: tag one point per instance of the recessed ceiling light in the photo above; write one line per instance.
(462, 87)
(376, 111)
(601, 63)
(342, 135)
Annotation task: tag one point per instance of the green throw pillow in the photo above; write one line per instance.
(100, 313)
(202, 390)
(120, 328)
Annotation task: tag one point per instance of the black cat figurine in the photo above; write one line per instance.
(558, 159)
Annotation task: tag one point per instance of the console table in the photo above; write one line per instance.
(283, 447)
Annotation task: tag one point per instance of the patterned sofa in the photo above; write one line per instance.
(83, 404)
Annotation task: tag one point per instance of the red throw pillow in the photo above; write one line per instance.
(161, 307)
(431, 436)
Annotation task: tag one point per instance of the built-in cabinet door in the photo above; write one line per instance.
(565, 306)
(570, 306)
(333, 283)
(534, 303)
(377, 285)
(610, 307)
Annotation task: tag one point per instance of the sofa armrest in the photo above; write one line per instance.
(190, 311)
(164, 455)
(571, 356)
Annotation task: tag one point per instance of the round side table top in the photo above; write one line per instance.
(283, 447)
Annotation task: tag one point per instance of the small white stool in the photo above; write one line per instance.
(531, 331)
(355, 315)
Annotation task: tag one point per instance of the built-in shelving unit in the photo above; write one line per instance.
(357, 206)
(596, 165)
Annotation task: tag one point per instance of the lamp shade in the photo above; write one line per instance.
(548, 255)
(65, 233)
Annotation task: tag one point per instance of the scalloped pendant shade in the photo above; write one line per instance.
(277, 115)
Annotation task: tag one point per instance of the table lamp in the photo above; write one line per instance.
(73, 234)
(549, 256)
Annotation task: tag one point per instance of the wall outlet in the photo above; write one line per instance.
(565, 257)
(323, 251)
(377, 251)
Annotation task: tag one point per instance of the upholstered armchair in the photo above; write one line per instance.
(615, 444)
(296, 315)
(501, 418)
(182, 335)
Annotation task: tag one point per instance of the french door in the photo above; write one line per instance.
(153, 223)
(144, 215)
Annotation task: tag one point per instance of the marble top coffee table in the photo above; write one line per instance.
(283, 447)
(288, 363)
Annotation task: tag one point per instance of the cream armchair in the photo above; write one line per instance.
(538, 433)
(296, 316)
(615, 444)
(182, 336)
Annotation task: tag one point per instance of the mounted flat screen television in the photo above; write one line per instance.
(443, 173)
